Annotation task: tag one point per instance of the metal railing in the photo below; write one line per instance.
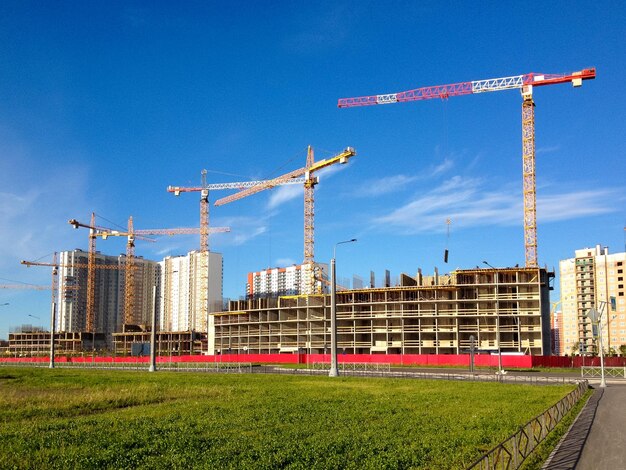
(354, 366)
(223, 367)
(511, 453)
(587, 371)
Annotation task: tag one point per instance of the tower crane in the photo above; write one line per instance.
(204, 189)
(309, 201)
(525, 83)
(129, 302)
(94, 232)
(132, 234)
(55, 265)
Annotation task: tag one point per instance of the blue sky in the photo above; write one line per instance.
(105, 104)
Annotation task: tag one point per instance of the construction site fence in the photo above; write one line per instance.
(614, 372)
(511, 453)
(345, 369)
(441, 360)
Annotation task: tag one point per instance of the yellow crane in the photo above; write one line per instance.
(309, 200)
(55, 265)
(204, 190)
(131, 234)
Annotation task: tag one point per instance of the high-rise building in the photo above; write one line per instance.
(191, 288)
(556, 322)
(592, 279)
(292, 280)
(109, 292)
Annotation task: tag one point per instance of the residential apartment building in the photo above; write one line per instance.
(109, 289)
(191, 288)
(594, 278)
(505, 309)
(293, 280)
(556, 319)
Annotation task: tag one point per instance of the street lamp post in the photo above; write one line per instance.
(52, 321)
(500, 371)
(152, 367)
(596, 320)
(333, 312)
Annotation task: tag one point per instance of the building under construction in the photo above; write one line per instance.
(167, 343)
(27, 341)
(505, 309)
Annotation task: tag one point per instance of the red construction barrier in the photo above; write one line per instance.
(438, 360)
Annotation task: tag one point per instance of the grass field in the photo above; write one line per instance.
(118, 419)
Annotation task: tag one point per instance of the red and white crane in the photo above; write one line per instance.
(525, 83)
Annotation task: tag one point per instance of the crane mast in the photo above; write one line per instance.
(525, 83)
(129, 299)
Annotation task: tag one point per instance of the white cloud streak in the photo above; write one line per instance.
(283, 194)
(395, 183)
(242, 229)
(468, 204)
(285, 262)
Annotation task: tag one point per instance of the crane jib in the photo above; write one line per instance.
(468, 88)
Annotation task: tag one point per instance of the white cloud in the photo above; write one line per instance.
(444, 166)
(387, 184)
(35, 207)
(548, 149)
(578, 204)
(241, 237)
(242, 228)
(284, 262)
(284, 194)
(466, 202)
(394, 183)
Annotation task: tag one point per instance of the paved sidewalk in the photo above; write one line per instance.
(596, 439)
(606, 445)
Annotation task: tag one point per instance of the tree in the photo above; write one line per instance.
(622, 350)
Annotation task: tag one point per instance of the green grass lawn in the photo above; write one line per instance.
(118, 419)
